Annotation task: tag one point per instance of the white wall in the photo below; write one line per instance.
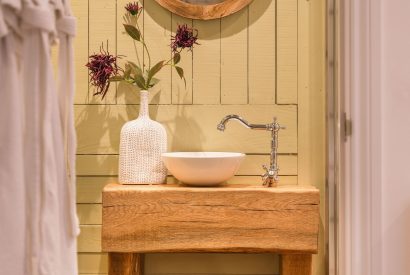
(395, 72)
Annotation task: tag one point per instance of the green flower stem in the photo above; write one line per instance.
(136, 51)
(171, 59)
(149, 57)
(145, 46)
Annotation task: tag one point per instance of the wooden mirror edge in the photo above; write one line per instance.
(204, 12)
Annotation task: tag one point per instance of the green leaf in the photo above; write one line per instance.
(154, 81)
(133, 32)
(137, 72)
(154, 70)
(140, 81)
(127, 71)
(135, 68)
(116, 78)
(180, 72)
(129, 81)
(177, 58)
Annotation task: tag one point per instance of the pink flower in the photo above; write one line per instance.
(184, 38)
(133, 8)
(101, 67)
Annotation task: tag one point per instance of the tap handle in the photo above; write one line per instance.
(269, 172)
(266, 176)
(267, 182)
(265, 168)
(276, 126)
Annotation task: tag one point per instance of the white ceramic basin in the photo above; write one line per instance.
(203, 168)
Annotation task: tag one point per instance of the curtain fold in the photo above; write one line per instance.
(37, 149)
(12, 184)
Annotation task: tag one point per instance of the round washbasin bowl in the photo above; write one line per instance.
(203, 168)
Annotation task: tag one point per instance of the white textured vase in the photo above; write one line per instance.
(142, 142)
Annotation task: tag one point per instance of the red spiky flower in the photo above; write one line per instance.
(133, 8)
(101, 67)
(185, 37)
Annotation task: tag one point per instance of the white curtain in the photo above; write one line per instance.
(38, 223)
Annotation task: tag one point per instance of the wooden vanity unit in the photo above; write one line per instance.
(140, 219)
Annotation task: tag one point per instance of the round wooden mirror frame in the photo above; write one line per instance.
(204, 12)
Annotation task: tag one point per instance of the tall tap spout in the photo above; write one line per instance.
(222, 125)
(270, 178)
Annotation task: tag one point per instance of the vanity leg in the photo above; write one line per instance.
(296, 264)
(125, 264)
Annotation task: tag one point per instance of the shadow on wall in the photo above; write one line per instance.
(178, 124)
(102, 122)
(130, 94)
(183, 130)
(257, 12)
(99, 127)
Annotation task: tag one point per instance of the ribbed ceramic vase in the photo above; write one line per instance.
(142, 142)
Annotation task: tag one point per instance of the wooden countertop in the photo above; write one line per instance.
(230, 218)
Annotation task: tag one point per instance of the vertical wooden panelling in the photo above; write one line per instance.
(207, 63)
(262, 60)
(311, 105)
(181, 93)
(130, 50)
(92, 263)
(190, 127)
(287, 51)
(80, 10)
(89, 213)
(102, 20)
(89, 239)
(312, 109)
(304, 160)
(89, 189)
(269, 51)
(317, 78)
(251, 165)
(234, 58)
(157, 35)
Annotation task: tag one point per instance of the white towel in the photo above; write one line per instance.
(39, 167)
(12, 185)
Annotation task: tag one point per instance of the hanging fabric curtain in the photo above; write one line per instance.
(37, 146)
(12, 185)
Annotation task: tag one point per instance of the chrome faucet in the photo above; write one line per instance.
(271, 175)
